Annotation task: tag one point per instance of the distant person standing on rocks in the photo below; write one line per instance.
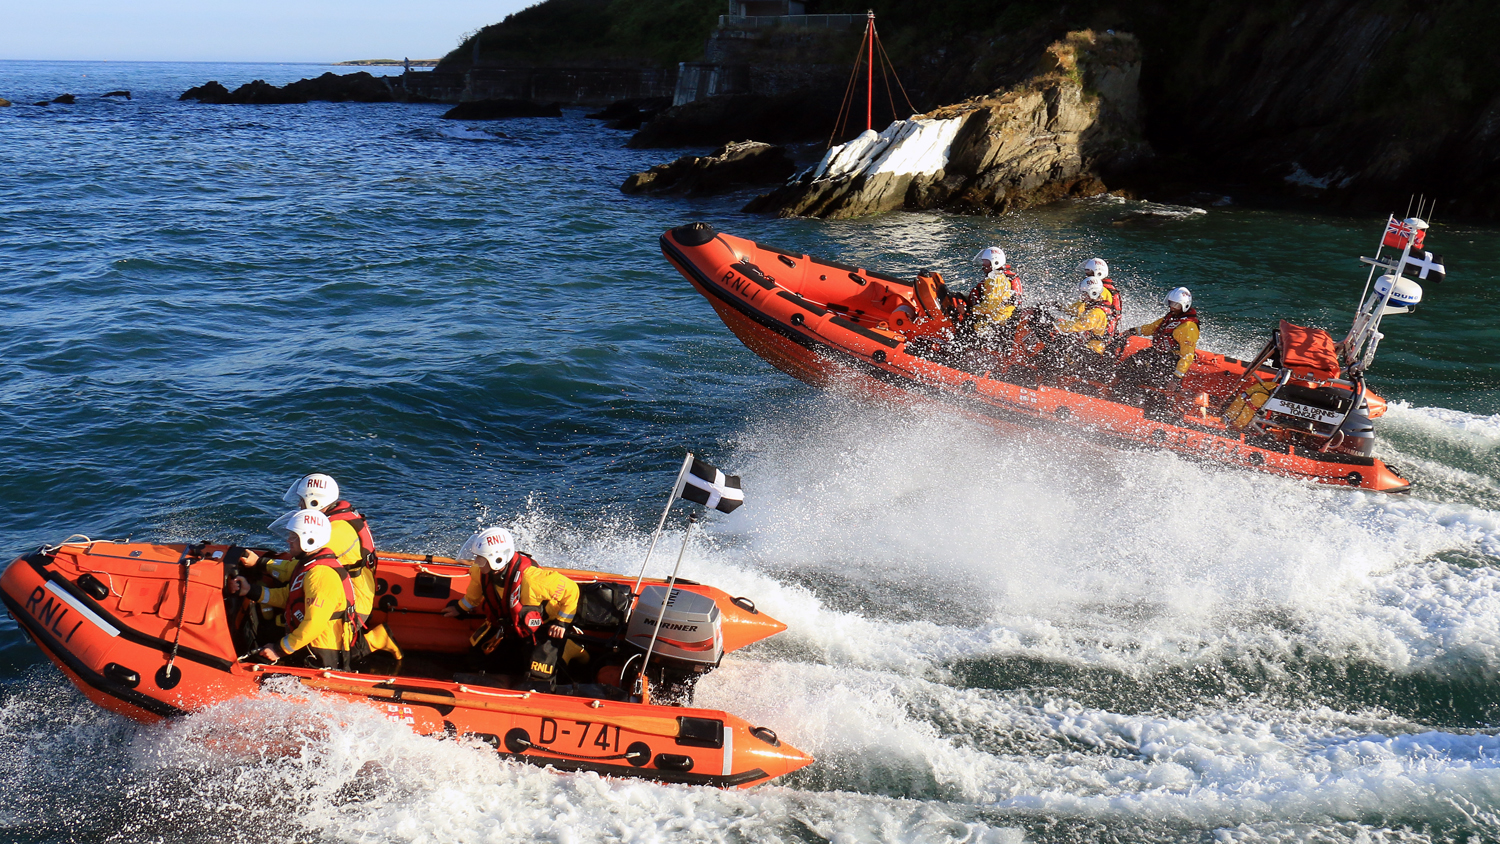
(406, 65)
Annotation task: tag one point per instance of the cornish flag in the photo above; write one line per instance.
(1423, 266)
(1397, 233)
(706, 485)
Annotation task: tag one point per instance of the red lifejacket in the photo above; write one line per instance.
(1163, 341)
(502, 599)
(1112, 308)
(296, 598)
(1015, 282)
(343, 511)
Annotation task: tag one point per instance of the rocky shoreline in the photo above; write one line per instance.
(332, 87)
(1333, 102)
(1044, 139)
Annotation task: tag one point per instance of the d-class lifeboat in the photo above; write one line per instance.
(1300, 408)
(146, 631)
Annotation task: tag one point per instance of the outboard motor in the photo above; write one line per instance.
(691, 640)
(1359, 432)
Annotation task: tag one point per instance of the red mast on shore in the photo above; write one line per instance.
(869, 44)
(870, 67)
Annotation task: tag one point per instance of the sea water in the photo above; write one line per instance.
(990, 638)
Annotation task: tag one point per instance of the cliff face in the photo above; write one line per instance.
(1043, 139)
(1356, 101)
(1360, 102)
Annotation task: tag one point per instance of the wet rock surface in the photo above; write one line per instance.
(1044, 139)
(731, 166)
(631, 114)
(501, 110)
(330, 87)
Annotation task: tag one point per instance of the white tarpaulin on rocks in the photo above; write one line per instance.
(906, 147)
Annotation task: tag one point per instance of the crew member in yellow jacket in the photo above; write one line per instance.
(320, 616)
(993, 300)
(1174, 337)
(350, 541)
(527, 608)
(1174, 347)
(1088, 318)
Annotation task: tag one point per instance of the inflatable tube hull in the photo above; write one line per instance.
(111, 616)
(804, 316)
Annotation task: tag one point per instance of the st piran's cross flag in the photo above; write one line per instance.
(706, 485)
(1423, 266)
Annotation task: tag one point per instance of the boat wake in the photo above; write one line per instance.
(1038, 645)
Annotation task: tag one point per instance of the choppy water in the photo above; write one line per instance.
(990, 640)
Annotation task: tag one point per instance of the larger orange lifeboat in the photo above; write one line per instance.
(828, 324)
(145, 631)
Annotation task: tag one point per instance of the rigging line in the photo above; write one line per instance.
(846, 105)
(887, 58)
(890, 95)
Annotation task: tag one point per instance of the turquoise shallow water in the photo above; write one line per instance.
(990, 639)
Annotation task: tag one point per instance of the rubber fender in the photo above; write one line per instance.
(694, 234)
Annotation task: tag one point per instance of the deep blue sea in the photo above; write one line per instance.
(990, 639)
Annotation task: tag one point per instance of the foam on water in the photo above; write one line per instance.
(1481, 432)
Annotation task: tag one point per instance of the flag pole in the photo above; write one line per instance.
(661, 613)
(687, 463)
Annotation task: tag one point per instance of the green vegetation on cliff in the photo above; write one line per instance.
(596, 32)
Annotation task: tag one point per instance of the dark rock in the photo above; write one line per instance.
(344, 88)
(720, 120)
(210, 92)
(125, 94)
(42, 103)
(1042, 140)
(330, 87)
(730, 166)
(501, 110)
(65, 99)
(4, 103)
(631, 114)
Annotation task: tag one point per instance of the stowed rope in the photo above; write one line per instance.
(188, 558)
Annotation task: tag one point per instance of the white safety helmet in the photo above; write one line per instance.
(994, 254)
(310, 526)
(316, 491)
(1094, 268)
(1091, 289)
(493, 545)
(1181, 296)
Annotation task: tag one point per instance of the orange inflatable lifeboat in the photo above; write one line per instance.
(145, 630)
(1293, 410)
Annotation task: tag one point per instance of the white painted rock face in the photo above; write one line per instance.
(905, 148)
(1040, 140)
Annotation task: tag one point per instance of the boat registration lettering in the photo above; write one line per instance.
(552, 732)
(1303, 411)
(59, 612)
(741, 285)
(399, 714)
